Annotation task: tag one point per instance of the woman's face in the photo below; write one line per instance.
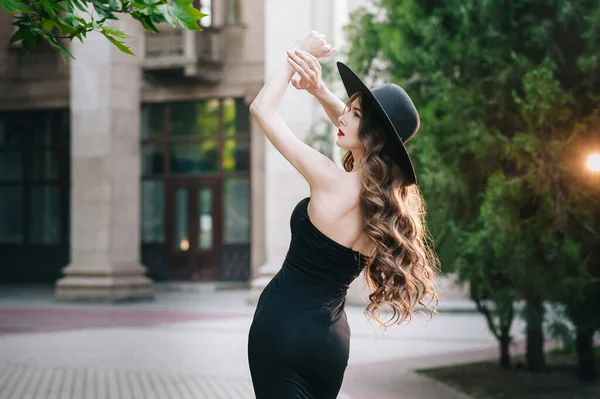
(349, 122)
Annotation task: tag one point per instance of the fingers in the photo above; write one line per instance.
(301, 62)
(311, 60)
(300, 70)
(298, 84)
(328, 52)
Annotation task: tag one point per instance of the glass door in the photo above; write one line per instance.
(194, 235)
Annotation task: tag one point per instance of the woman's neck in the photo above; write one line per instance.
(357, 158)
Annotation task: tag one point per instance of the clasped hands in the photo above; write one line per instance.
(303, 58)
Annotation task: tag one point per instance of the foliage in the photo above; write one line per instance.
(509, 100)
(58, 20)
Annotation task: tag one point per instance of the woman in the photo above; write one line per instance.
(369, 216)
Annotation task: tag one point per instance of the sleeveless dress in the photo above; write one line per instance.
(299, 340)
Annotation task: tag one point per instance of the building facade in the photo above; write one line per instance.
(117, 171)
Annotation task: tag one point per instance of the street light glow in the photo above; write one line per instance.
(593, 163)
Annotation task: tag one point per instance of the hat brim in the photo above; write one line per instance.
(354, 84)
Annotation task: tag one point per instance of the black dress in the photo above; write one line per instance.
(299, 340)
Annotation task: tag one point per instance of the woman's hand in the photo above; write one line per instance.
(309, 69)
(316, 44)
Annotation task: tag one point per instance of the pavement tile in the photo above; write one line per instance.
(184, 345)
(20, 381)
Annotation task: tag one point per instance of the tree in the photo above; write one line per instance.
(565, 223)
(56, 21)
(509, 99)
(491, 286)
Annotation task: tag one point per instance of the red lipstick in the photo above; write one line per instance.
(340, 133)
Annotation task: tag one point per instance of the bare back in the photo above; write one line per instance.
(337, 214)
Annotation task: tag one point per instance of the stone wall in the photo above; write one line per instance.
(27, 81)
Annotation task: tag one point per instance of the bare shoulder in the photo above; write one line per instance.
(337, 199)
(337, 213)
(329, 177)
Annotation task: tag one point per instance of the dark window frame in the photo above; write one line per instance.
(165, 139)
(28, 148)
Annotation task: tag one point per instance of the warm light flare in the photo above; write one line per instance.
(184, 245)
(593, 163)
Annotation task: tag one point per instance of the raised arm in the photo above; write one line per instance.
(317, 169)
(333, 106)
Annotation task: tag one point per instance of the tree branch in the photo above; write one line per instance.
(488, 316)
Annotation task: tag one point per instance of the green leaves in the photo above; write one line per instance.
(113, 34)
(120, 44)
(59, 21)
(509, 104)
(15, 6)
(543, 98)
(181, 12)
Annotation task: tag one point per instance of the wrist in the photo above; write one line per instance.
(297, 46)
(319, 92)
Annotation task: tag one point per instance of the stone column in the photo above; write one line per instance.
(284, 186)
(105, 89)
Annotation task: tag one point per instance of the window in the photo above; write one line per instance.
(234, 12)
(153, 211)
(44, 222)
(206, 218)
(236, 219)
(34, 159)
(236, 117)
(194, 158)
(11, 215)
(11, 148)
(206, 8)
(204, 139)
(194, 138)
(236, 156)
(194, 119)
(181, 220)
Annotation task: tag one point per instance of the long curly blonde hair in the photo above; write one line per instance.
(400, 273)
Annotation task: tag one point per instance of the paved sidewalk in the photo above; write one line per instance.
(193, 345)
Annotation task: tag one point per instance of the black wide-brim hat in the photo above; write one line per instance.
(397, 114)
